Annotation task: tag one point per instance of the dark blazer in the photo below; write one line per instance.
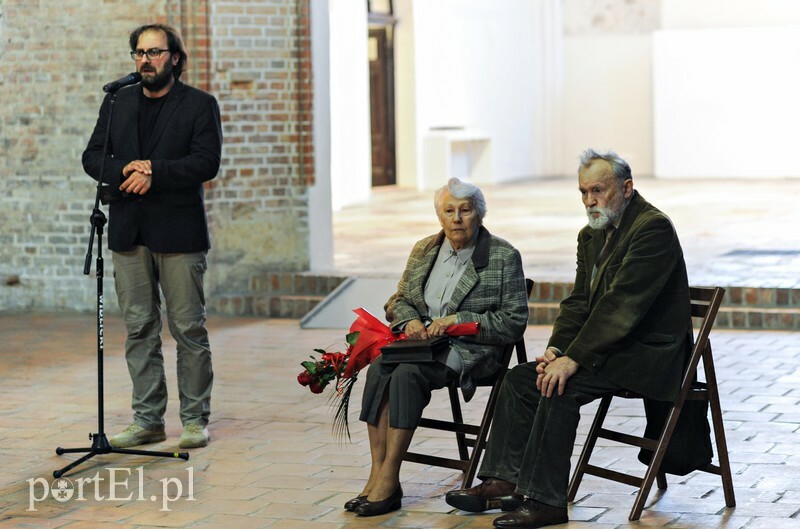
(491, 291)
(632, 326)
(184, 148)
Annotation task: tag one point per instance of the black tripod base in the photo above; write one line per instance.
(100, 445)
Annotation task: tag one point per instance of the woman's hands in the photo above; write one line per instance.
(416, 330)
(439, 325)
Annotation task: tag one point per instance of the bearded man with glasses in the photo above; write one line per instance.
(164, 142)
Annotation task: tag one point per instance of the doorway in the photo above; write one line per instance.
(381, 95)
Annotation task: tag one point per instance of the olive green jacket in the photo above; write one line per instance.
(632, 324)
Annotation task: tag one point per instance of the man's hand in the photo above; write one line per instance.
(550, 354)
(138, 177)
(439, 325)
(553, 374)
(415, 330)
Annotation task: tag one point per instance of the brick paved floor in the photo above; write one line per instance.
(273, 462)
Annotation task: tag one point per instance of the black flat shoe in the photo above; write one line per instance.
(376, 508)
(355, 502)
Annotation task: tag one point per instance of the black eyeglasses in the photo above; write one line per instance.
(152, 54)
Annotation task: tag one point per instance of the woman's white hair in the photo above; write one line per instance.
(462, 190)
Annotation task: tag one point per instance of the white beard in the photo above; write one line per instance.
(607, 216)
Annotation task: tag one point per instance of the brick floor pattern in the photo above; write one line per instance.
(273, 462)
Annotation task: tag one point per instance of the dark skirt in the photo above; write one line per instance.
(409, 390)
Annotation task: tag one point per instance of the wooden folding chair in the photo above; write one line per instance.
(470, 435)
(705, 303)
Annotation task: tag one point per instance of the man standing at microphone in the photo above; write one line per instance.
(165, 141)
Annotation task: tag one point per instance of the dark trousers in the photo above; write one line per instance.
(532, 437)
(409, 386)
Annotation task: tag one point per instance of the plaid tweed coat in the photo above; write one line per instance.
(491, 291)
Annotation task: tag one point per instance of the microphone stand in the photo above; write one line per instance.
(100, 444)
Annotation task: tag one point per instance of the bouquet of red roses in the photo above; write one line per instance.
(319, 373)
(364, 341)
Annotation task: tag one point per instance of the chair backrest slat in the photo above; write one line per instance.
(698, 309)
(705, 302)
(519, 347)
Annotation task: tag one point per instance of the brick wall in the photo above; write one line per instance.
(258, 204)
(54, 59)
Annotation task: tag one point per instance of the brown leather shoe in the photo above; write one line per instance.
(491, 494)
(532, 514)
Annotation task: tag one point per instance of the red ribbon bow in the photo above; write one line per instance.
(374, 334)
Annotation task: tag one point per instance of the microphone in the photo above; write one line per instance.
(131, 78)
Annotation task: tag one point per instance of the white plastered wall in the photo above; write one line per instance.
(725, 89)
(608, 99)
(467, 64)
(617, 96)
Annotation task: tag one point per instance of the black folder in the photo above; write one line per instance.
(414, 350)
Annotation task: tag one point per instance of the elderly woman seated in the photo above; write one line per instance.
(461, 274)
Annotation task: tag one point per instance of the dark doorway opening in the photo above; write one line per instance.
(381, 90)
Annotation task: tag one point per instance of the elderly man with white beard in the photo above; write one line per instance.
(625, 325)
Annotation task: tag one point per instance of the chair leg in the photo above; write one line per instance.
(644, 490)
(458, 418)
(719, 428)
(483, 434)
(654, 468)
(591, 440)
(661, 481)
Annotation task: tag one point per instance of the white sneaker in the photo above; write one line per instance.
(135, 435)
(194, 436)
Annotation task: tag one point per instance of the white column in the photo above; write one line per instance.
(320, 214)
(548, 116)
